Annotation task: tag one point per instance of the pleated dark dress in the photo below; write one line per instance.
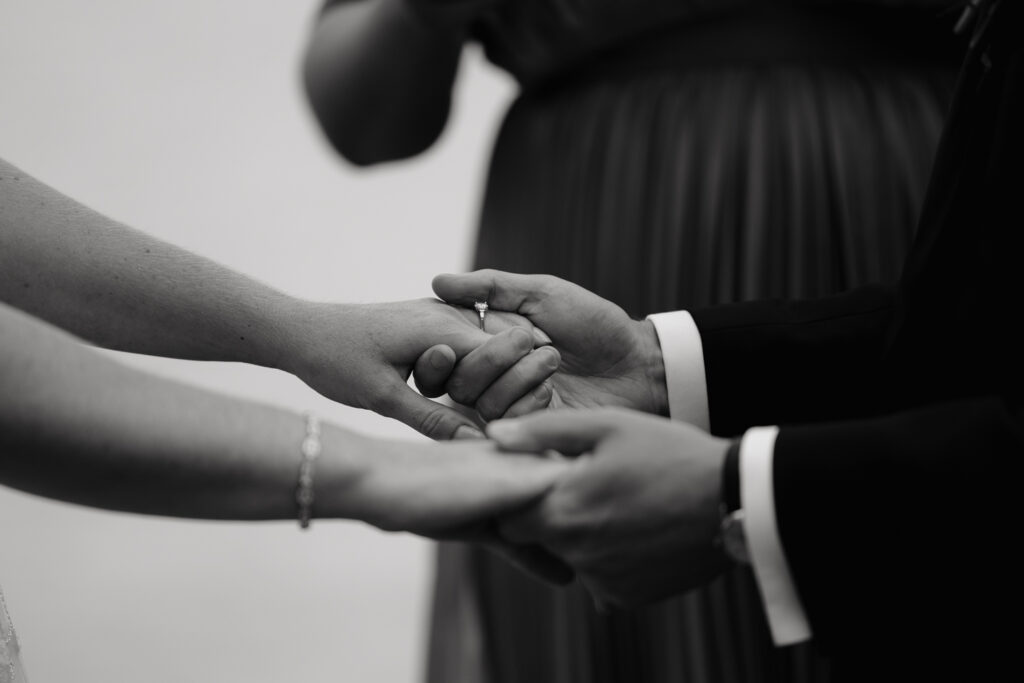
(672, 154)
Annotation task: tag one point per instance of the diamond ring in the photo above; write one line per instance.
(481, 309)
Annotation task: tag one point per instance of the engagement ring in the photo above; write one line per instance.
(481, 308)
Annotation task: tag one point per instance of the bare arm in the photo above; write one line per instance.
(79, 426)
(379, 74)
(122, 289)
(117, 287)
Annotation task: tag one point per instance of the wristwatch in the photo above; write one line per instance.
(731, 535)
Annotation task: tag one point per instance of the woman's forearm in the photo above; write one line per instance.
(76, 425)
(125, 290)
(379, 78)
(79, 426)
(122, 289)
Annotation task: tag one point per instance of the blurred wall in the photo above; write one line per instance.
(186, 120)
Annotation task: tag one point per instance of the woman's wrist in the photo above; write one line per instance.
(295, 332)
(363, 478)
(262, 331)
(341, 474)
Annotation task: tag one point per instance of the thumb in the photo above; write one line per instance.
(430, 418)
(433, 368)
(569, 432)
(502, 291)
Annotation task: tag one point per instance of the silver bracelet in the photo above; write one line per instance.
(310, 451)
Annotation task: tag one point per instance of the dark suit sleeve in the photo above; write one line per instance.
(893, 499)
(897, 528)
(901, 436)
(775, 362)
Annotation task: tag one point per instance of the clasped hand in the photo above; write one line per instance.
(363, 356)
(636, 511)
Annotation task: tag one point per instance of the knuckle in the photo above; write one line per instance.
(432, 423)
(549, 284)
(537, 399)
(458, 391)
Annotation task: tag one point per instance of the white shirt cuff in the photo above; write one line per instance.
(683, 354)
(786, 617)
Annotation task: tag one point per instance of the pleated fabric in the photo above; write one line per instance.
(715, 185)
(674, 188)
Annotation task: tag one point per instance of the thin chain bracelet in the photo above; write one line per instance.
(310, 450)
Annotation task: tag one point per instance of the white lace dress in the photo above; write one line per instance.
(11, 670)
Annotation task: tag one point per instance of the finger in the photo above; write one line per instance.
(480, 367)
(522, 381)
(538, 399)
(428, 417)
(466, 432)
(534, 560)
(475, 432)
(433, 368)
(567, 431)
(496, 321)
(502, 291)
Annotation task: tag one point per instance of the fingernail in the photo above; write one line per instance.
(540, 338)
(467, 432)
(542, 393)
(521, 338)
(438, 360)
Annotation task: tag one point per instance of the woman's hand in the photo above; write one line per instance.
(454, 491)
(449, 490)
(363, 354)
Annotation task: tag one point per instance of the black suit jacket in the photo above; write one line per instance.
(899, 457)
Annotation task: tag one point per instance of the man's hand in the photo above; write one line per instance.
(636, 514)
(362, 355)
(607, 359)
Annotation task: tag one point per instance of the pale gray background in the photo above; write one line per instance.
(186, 119)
